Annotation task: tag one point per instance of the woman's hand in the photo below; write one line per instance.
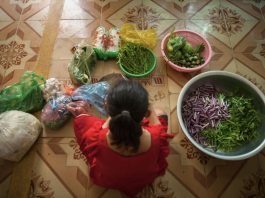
(79, 107)
(152, 114)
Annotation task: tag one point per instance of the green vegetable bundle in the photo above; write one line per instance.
(180, 52)
(239, 128)
(26, 95)
(82, 64)
(135, 58)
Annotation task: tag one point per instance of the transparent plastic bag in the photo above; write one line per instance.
(106, 42)
(18, 132)
(55, 114)
(147, 38)
(26, 95)
(94, 94)
(82, 64)
(52, 88)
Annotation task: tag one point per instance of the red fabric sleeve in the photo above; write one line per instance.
(163, 142)
(164, 151)
(87, 130)
(163, 123)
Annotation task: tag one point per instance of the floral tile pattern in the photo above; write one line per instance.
(210, 10)
(14, 53)
(54, 165)
(144, 15)
(236, 32)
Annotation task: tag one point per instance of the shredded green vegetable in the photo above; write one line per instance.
(135, 58)
(239, 128)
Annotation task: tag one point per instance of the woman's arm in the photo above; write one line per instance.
(86, 128)
(152, 115)
(81, 111)
(79, 108)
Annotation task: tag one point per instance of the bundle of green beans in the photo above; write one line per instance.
(135, 58)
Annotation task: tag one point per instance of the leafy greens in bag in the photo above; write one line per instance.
(82, 64)
(26, 95)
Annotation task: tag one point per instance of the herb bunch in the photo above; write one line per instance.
(135, 58)
(239, 128)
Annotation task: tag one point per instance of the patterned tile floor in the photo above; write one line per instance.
(38, 35)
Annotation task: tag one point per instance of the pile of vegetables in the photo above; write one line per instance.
(218, 120)
(82, 64)
(135, 58)
(180, 52)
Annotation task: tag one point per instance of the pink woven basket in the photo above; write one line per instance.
(194, 39)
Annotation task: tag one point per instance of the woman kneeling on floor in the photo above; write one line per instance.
(127, 151)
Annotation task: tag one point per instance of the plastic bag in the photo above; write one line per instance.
(51, 89)
(147, 38)
(82, 64)
(18, 132)
(94, 94)
(100, 43)
(106, 43)
(54, 114)
(113, 42)
(26, 95)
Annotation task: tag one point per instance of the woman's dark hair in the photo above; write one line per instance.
(127, 104)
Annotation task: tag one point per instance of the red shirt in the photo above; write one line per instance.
(109, 169)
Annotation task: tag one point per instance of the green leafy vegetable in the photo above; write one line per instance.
(82, 64)
(199, 48)
(181, 52)
(187, 48)
(239, 128)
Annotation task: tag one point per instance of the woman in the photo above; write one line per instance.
(128, 150)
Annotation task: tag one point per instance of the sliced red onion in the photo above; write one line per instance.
(202, 109)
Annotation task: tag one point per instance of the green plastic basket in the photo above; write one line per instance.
(150, 69)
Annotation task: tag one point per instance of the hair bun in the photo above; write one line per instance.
(125, 112)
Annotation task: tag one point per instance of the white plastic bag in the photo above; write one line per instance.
(18, 132)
